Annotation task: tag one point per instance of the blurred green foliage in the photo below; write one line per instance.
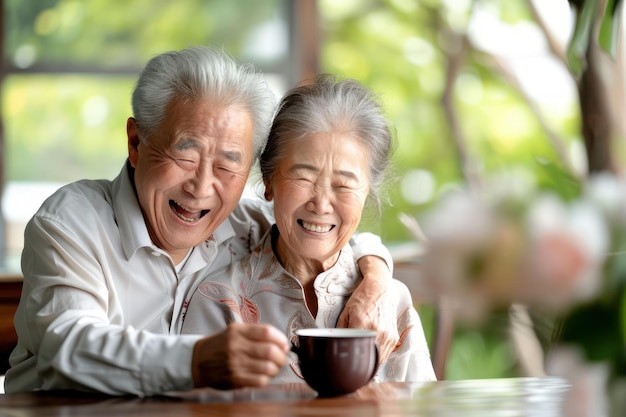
(398, 48)
(68, 126)
(72, 124)
(114, 34)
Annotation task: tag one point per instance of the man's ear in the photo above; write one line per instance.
(132, 131)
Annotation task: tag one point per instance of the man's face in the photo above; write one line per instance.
(191, 173)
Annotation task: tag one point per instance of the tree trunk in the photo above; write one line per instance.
(595, 108)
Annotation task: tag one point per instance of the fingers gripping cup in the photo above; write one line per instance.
(336, 361)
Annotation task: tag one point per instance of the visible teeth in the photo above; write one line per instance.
(316, 228)
(186, 213)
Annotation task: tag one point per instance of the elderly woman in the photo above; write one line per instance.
(328, 150)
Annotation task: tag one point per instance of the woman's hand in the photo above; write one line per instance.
(243, 355)
(373, 305)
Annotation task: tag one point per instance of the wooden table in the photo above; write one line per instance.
(10, 290)
(468, 398)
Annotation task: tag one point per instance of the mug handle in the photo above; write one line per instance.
(377, 356)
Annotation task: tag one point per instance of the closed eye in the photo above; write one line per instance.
(185, 160)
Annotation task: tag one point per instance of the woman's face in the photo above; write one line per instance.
(319, 190)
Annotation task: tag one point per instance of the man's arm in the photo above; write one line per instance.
(71, 327)
(373, 304)
(366, 244)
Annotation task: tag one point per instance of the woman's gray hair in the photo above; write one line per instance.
(201, 73)
(330, 105)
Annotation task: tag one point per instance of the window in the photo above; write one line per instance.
(68, 70)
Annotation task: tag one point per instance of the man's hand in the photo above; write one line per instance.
(373, 305)
(243, 355)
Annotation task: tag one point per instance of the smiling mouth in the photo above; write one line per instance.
(312, 227)
(185, 213)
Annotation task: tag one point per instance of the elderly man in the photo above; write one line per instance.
(109, 266)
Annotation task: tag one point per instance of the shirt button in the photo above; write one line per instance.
(155, 253)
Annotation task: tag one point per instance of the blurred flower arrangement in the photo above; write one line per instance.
(511, 243)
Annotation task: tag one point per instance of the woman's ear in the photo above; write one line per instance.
(132, 131)
(268, 191)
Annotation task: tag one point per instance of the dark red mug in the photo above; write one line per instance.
(336, 361)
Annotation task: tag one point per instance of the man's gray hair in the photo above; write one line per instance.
(202, 73)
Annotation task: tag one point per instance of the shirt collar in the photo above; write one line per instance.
(204, 253)
(133, 231)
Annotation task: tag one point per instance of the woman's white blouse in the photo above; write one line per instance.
(258, 289)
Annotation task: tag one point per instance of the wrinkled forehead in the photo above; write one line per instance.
(207, 118)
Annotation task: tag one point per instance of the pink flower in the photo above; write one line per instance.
(566, 251)
(489, 253)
